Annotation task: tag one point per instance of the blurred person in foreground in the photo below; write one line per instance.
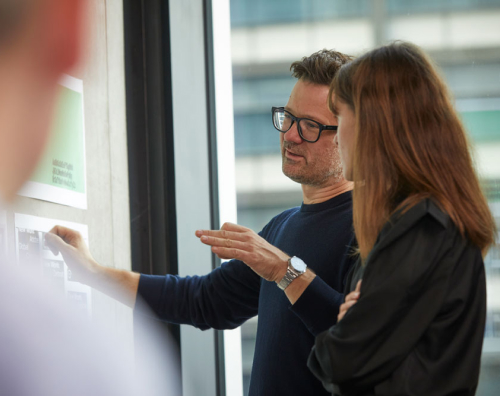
(45, 347)
(423, 227)
(294, 302)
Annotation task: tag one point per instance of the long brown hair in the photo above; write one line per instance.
(409, 145)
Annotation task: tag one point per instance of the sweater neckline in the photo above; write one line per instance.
(331, 203)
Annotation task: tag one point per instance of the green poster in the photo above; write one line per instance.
(61, 174)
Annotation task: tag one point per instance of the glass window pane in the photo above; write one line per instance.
(462, 37)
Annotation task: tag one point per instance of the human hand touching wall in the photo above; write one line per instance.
(120, 284)
(75, 252)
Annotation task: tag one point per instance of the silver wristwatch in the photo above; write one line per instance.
(296, 267)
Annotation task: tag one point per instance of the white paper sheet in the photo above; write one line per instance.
(31, 252)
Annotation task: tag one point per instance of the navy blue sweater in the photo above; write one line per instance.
(319, 234)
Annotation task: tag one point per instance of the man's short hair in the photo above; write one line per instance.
(320, 67)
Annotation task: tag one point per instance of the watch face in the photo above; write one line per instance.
(298, 265)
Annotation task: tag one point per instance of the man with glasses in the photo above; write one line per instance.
(291, 274)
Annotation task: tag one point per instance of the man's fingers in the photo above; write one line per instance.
(53, 242)
(226, 243)
(223, 234)
(214, 233)
(68, 235)
(60, 231)
(233, 227)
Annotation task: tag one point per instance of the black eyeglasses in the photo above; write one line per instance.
(309, 130)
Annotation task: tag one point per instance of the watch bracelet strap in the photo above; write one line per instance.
(288, 278)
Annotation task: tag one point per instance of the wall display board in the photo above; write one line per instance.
(61, 174)
(32, 252)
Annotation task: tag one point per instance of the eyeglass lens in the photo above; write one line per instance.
(283, 121)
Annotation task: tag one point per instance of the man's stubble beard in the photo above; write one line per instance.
(318, 174)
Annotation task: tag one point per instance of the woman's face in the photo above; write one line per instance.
(345, 137)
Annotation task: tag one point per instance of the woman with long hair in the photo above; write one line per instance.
(423, 227)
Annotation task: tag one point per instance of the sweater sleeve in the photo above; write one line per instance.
(403, 288)
(223, 299)
(318, 306)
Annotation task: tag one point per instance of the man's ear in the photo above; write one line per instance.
(64, 35)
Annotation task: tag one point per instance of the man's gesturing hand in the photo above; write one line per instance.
(75, 252)
(350, 300)
(234, 241)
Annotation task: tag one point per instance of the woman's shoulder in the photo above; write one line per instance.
(415, 244)
(424, 218)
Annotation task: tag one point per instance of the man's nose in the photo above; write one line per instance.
(292, 135)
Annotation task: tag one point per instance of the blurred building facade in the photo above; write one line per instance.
(461, 36)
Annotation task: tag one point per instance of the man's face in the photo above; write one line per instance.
(345, 137)
(315, 164)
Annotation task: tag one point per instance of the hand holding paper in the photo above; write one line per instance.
(75, 252)
(120, 284)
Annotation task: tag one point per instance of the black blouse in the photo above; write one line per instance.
(418, 326)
